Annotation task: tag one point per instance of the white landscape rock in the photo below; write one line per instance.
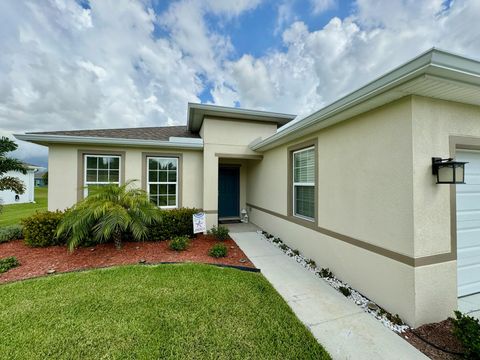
(366, 304)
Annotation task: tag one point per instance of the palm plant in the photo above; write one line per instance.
(10, 164)
(107, 214)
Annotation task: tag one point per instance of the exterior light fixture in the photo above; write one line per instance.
(448, 171)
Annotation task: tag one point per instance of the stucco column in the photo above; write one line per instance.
(210, 186)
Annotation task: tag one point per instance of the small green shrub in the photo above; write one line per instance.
(395, 319)
(311, 263)
(467, 331)
(326, 273)
(277, 240)
(40, 229)
(12, 232)
(219, 233)
(179, 243)
(283, 247)
(296, 252)
(8, 263)
(173, 222)
(345, 291)
(218, 251)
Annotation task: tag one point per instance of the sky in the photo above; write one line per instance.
(122, 63)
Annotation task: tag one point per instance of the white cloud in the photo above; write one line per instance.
(63, 66)
(320, 6)
(319, 66)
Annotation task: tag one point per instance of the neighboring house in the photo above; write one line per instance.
(350, 186)
(39, 178)
(8, 197)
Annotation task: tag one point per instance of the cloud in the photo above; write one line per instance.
(320, 6)
(319, 66)
(118, 63)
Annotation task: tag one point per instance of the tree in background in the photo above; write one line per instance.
(45, 178)
(10, 164)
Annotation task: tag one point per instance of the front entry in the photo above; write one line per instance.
(228, 192)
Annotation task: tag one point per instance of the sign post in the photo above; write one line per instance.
(199, 223)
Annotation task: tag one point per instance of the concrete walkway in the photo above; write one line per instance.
(344, 330)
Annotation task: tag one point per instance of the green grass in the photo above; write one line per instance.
(12, 214)
(186, 311)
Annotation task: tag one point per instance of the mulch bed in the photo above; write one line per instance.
(439, 334)
(36, 262)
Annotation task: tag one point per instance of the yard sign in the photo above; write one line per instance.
(199, 224)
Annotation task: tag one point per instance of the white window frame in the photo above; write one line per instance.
(87, 183)
(176, 159)
(295, 184)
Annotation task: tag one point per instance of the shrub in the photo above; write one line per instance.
(277, 240)
(40, 229)
(218, 251)
(467, 331)
(172, 222)
(8, 263)
(311, 263)
(326, 273)
(345, 291)
(108, 214)
(219, 233)
(395, 319)
(296, 252)
(13, 232)
(179, 243)
(283, 247)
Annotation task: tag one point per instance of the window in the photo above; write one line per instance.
(162, 181)
(101, 170)
(304, 183)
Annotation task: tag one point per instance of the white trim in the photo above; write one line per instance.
(304, 184)
(66, 139)
(163, 182)
(85, 169)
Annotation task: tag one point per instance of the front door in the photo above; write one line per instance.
(228, 192)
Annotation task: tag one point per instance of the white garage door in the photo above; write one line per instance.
(468, 225)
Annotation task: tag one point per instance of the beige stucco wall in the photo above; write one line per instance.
(223, 140)
(63, 169)
(365, 191)
(375, 185)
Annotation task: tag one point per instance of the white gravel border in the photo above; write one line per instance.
(366, 304)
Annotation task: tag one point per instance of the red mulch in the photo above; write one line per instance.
(37, 261)
(440, 334)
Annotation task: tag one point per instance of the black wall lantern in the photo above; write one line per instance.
(448, 171)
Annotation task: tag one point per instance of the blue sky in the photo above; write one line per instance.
(70, 64)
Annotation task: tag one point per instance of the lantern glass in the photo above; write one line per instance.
(460, 173)
(445, 174)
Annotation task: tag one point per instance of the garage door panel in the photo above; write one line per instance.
(469, 238)
(468, 201)
(468, 225)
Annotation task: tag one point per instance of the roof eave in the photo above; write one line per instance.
(197, 113)
(85, 140)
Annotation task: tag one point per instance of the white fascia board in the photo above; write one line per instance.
(45, 139)
(433, 62)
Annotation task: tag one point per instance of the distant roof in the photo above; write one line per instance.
(197, 112)
(142, 133)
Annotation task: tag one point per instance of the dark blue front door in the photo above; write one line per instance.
(228, 192)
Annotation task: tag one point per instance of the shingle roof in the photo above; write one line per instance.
(143, 133)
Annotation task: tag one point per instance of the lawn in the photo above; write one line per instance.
(12, 214)
(183, 311)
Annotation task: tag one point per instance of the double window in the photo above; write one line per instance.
(304, 183)
(162, 181)
(100, 170)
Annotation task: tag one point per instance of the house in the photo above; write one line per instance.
(8, 197)
(350, 186)
(40, 178)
